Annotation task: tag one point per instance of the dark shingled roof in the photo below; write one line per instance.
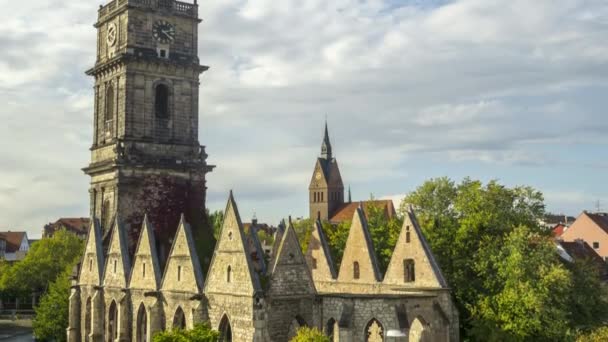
(600, 219)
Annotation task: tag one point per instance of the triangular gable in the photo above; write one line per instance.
(360, 251)
(289, 273)
(118, 265)
(183, 271)
(146, 273)
(320, 176)
(92, 260)
(256, 252)
(231, 270)
(426, 270)
(318, 255)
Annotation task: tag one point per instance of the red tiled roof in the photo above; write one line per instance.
(558, 230)
(13, 240)
(347, 210)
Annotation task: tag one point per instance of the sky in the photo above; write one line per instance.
(509, 90)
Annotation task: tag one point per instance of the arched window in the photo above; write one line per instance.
(374, 331)
(407, 234)
(419, 330)
(115, 263)
(109, 113)
(314, 195)
(296, 324)
(229, 274)
(225, 330)
(409, 270)
(144, 270)
(331, 328)
(161, 101)
(179, 319)
(142, 324)
(356, 273)
(113, 322)
(87, 320)
(179, 273)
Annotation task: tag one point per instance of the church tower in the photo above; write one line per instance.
(146, 156)
(326, 191)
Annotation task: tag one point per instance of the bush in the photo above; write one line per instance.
(597, 335)
(200, 333)
(306, 334)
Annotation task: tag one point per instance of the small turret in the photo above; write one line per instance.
(326, 152)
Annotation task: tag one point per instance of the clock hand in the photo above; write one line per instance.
(167, 34)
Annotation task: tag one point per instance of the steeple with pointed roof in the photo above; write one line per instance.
(326, 189)
(326, 152)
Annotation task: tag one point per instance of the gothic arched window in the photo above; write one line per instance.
(229, 274)
(356, 271)
(179, 319)
(374, 331)
(142, 324)
(113, 321)
(409, 270)
(161, 101)
(109, 113)
(407, 234)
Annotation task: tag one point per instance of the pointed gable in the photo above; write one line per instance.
(146, 273)
(289, 273)
(318, 255)
(320, 176)
(231, 270)
(92, 261)
(118, 265)
(256, 252)
(183, 272)
(413, 263)
(359, 262)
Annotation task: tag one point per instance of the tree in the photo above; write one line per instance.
(306, 334)
(200, 333)
(303, 229)
(597, 335)
(43, 263)
(216, 218)
(502, 266)
(527, 296)
(336, 239)
(51, 318)
(384, 232)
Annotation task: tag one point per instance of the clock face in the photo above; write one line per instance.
(318, 175)
(112, 34)
(163, 32)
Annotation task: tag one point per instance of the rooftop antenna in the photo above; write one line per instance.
(598, 206)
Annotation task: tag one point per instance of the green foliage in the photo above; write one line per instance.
(531, 299)
(303, 230)
(336, 239)
(43, 263)
(588, 297)
(384, 233)
(200, 333)
(216, 218)
(265, 238)
(597, 335)
(51, 318)
(505, 273)
(306, 334)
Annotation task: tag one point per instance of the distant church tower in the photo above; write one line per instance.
(326, 191)
(146, 157)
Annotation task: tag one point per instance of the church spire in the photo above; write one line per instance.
(326, 145)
